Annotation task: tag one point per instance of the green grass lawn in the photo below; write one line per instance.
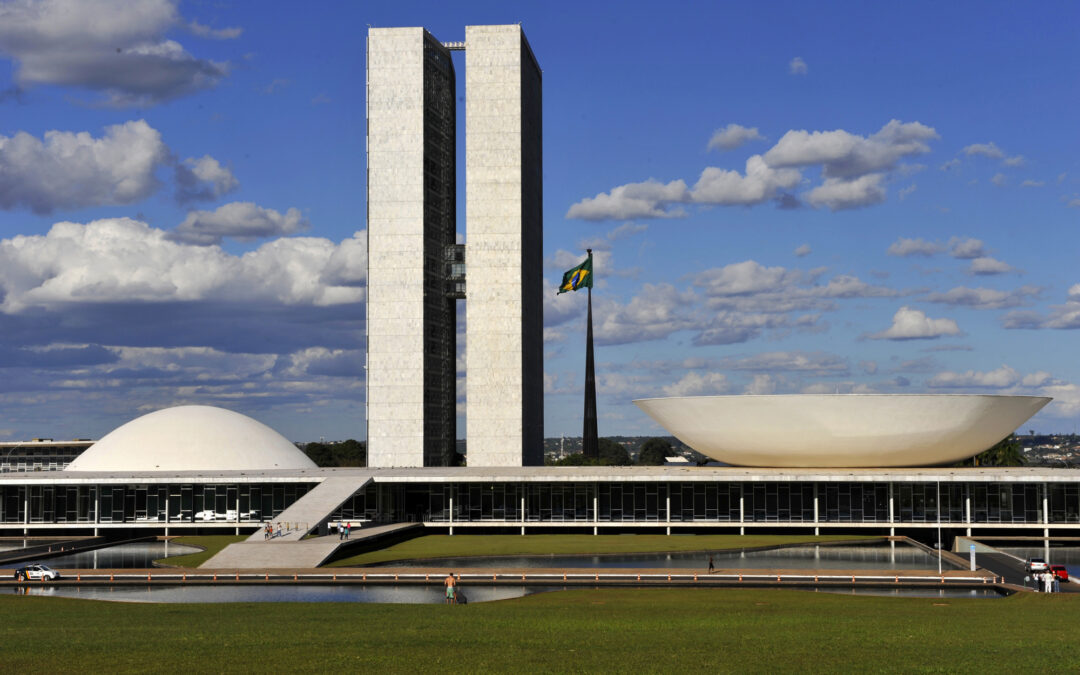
(444, 546)
(630, 630)
(212, 544)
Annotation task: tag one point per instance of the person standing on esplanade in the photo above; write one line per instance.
(450, 588)
(711, 566)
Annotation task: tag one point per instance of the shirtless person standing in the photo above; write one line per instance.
(451, 589)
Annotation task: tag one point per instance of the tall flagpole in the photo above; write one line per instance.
(590, 444)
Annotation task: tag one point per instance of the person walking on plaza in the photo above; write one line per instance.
(348, 530)
(340, 531)
(711, 566)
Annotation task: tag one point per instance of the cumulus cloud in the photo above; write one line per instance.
(650, 199)
(74, 170)
(214, 33)
(798, 67)
(733, 136)
(990, 150)
(839, 194)
(855, 170)
(966, 248)
(813, 363)
(844, 155)
(605, 241)
(749, 286)
(203, 179)
(123, 260)
(654, 313)
(999, 179)
(116, 48)
(245, 221)
(986, 266)
(904, 248)
(1017, 160)
(802, 251)
(698, 384)
(912, 324)
(1062, 317)
(1033, 183)
(1001, 378)
(985, 298)
(761, 183)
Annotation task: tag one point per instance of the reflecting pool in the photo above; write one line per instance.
(863, 557)
(121, 556)
(416, 595)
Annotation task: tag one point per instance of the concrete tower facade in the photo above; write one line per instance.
(503, 206)
(411, 334)
(411, 311)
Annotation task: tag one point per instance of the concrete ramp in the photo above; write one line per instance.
(313, 509)
(289, 548)
(293, 554)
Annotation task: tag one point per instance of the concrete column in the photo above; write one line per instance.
(595, 509)
(523, 510)
(741, 518)
(892, 518)
(237, 509)
(815, 506)
(967, 510)
(26, 507)
(451, 514)
(1046, 504)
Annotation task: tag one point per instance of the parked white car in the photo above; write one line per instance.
(205, 516)
(37, 573)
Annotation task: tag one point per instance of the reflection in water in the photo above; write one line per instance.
(15, 543)
(865, 557)
(1069, 556)
(121, 556)
(417, 595)
(422, 595)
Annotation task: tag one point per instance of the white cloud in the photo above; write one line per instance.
(999, 179)
(762, 384)
(698, 384)
(651, 199)
(815, 363)
(74, 170)
(990, 150)
(951, 164)
(904, 248)
(1018, 160)
(1001, 378)
(912, 324)
(203, 179)
(986, 265)
(654, 313)
(847, 155)
(985, 298)
(605, 241)
(733, 136)
(966, 248)
(839, 194)
(115, 47)
(723, 187)
(748, 286)
(905, 192)
(214, 33)
(802, 251)
(798, 67)
(240, 220)
(123, 260)
(1032, 183)
(1063, 317)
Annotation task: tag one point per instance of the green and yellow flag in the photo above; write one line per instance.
(579, 277)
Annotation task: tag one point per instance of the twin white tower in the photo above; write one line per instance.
(416, 270)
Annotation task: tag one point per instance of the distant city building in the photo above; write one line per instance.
(40, 454)
(416, 271)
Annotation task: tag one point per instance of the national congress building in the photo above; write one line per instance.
(831, 463)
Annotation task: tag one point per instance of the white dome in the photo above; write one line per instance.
(192, 438)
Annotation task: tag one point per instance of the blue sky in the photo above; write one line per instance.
(783, 197)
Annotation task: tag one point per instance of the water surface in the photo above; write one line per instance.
(121, 556)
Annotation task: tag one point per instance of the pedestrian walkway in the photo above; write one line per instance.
(289, 548)
(294, 554)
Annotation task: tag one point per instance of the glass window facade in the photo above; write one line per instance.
(133, 503)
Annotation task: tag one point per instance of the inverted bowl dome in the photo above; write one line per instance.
(843, 430)
(192, 438)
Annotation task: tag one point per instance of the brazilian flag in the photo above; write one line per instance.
(579, 277)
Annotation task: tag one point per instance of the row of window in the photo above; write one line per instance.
(721, 502)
